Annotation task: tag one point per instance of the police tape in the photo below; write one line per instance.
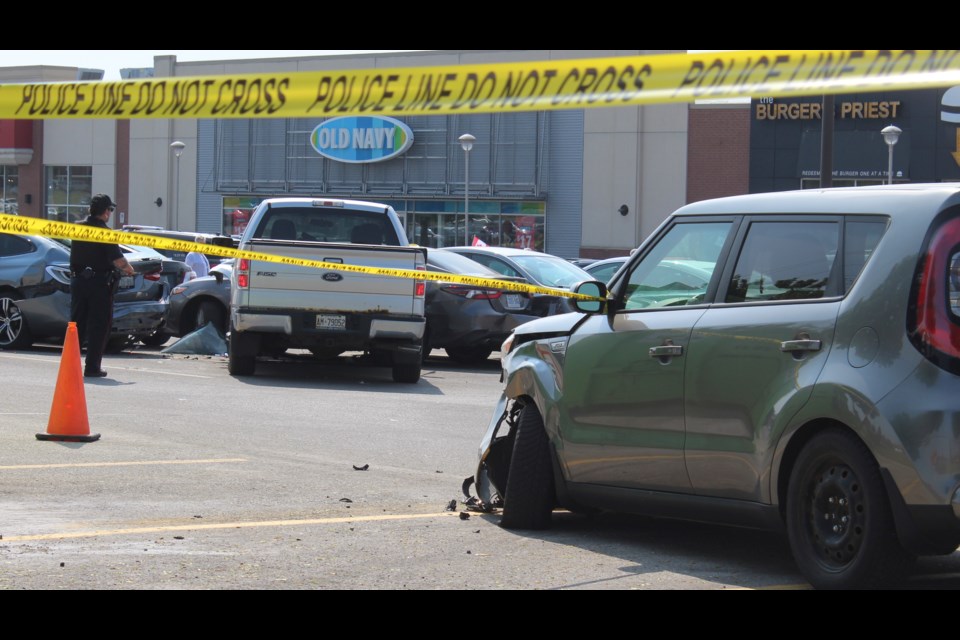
(484, 88)
(34, 226)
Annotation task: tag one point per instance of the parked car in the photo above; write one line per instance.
(535, 268)
(197, 302)
(187, 236)
(603, 270)
(35, 294)
(469, 322)
(809, 384)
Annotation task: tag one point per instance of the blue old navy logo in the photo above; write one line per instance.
(361, 139)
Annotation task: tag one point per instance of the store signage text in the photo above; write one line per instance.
(361, 139)
(881, 109)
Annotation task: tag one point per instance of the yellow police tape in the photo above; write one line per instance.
(481, 88)
(34, 226)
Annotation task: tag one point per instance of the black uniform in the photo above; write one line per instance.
(92, 288)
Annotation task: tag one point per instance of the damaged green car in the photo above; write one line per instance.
(788, 361)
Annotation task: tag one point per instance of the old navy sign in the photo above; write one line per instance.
(361, 139)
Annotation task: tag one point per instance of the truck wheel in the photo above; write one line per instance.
(530, 494)
(239, 365)
(839, 520)
(407, 372)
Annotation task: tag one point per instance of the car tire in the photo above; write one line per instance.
(839, 520)
(116, 344)
(237, 365)
(407, 373)
(212, 312)
(468, 355)
(155, 339)
(14, 332)
(530, 493)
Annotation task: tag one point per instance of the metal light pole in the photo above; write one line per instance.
(466, 141)
(890, 135)
(178, 148)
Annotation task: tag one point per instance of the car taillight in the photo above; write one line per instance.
(153, 276)
(472, 292)
(243, 273)
(934, 320)
(420, 286)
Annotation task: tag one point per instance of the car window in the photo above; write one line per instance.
(327, 225)
(603, 273)
(551, 271)
(859, 241)
(785, 261)
(496, 264)
(13, 245)
(678, 269)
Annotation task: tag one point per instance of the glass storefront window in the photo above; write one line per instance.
(437, 223)
(68, 193)
(9, 190)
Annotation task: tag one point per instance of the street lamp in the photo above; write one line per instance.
(466, 141)
(890, 135)
(178, 148)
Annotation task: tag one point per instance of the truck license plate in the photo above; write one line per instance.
(126, 282)
(331, 322)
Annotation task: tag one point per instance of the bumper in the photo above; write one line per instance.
(138, 318)
(358, 326)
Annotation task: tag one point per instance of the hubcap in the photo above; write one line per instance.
(837, 514)
(11, 321)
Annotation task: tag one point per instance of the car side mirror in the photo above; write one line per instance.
(218, 276)
(594, 289)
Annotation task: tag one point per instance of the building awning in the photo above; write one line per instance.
(857, 155)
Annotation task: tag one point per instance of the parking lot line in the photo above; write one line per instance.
(115, 464)
(112, 366)
(222, 525)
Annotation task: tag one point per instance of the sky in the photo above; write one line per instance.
(111, 61)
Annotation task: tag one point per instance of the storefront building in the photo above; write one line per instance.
(785, 139)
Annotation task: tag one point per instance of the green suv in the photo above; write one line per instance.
(785, 360)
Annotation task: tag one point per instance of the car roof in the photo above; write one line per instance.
(893, 200)
(299, 202)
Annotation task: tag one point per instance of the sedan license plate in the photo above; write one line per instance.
(512, 301)
(338, 323)
(126, 282)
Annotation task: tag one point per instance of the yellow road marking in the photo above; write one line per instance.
(223, 525)
(116, 464)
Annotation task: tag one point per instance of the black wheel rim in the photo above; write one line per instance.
(836, 514)
(11, 321)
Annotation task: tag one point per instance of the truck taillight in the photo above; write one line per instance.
(243, 273)
(153, 276)
(420, 286)
(934, 317)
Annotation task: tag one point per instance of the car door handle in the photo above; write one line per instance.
(666, 351)
(794, 346)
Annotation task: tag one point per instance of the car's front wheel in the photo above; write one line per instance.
(530, 494)
(839, 520)
(14, 333)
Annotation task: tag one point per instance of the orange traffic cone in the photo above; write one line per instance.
(68, 415)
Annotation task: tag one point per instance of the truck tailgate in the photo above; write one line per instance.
(275, 285)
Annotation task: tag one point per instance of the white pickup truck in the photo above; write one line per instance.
(274, 307)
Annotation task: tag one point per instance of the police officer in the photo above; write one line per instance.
(95, 266)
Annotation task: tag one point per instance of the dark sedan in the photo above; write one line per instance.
(470, 322)
(533, 267)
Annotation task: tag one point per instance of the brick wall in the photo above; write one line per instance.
(718, 152)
